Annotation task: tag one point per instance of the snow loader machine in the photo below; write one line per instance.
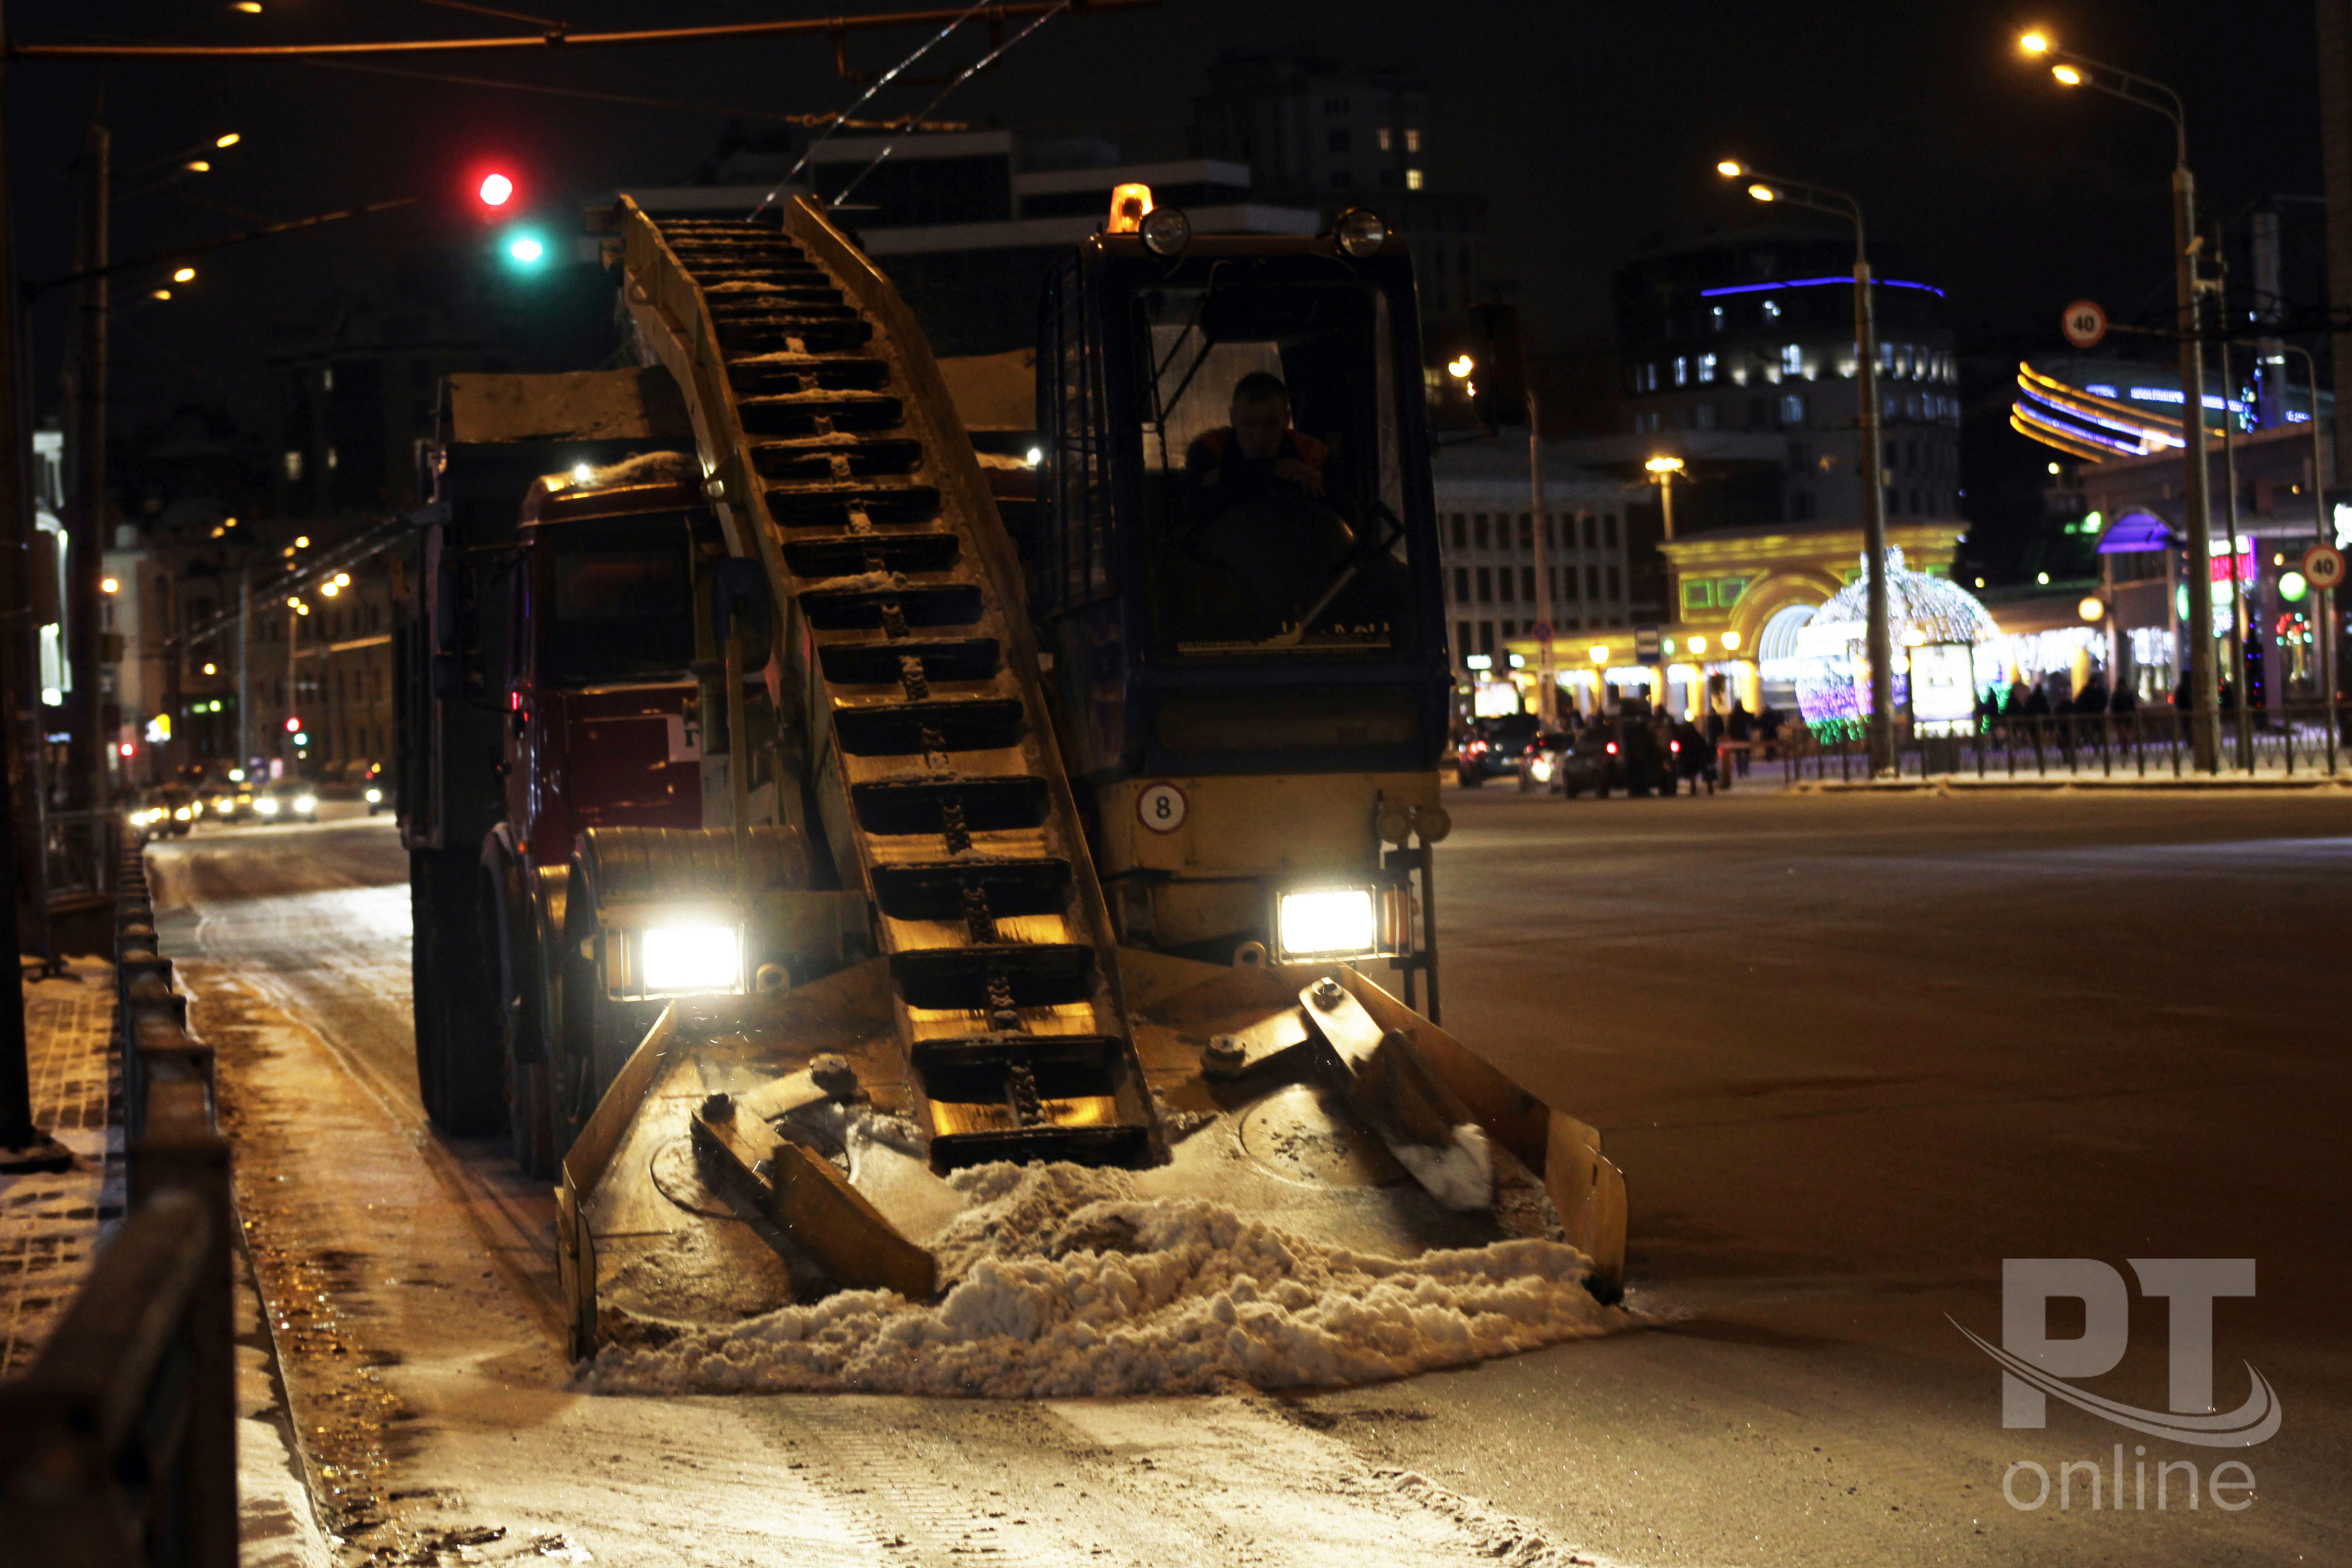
(1023, 804)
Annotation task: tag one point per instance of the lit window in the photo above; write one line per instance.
(1682, 370)
(1384, 138)
(1412, 138)
(1772, 309)
(330, 460)
(1793, 410)
(1706, 370)
(1412, 179)
(293, 468)
(1793, 359)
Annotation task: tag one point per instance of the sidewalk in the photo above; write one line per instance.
(51, 1223)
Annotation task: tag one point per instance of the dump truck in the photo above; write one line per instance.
(920, 802)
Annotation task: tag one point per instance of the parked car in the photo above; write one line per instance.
(1494, 747)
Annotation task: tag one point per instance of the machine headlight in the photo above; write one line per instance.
(375, 797)
(1325, 922)
(677, 960)
(184, 815)
(265, 806)
(1541, 769)
(304, 804)
(1166, 231)
(1360, 232)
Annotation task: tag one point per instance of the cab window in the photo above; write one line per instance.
(1272, 507)
(620, 604)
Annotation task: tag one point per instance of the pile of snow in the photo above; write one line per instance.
(1067, 1285)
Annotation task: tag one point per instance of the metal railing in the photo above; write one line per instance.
(120, 1445)
(2152, 742)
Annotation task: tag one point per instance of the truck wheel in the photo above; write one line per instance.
(513, 958)
(456, 1060)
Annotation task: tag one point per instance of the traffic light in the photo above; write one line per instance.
(496, 188)
(523, 250)
(293, 726)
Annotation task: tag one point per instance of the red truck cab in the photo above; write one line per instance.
(602, 729)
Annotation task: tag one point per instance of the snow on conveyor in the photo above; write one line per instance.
(1068, 1285)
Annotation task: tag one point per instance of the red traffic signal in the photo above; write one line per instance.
(293, 726)
(497, 189)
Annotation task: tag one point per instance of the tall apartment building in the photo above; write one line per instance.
(1321, 135)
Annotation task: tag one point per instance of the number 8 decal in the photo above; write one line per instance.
(1162, 807)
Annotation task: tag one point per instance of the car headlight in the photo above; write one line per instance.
(375, 797)
(266, 807)
(306, 804)
(1318, 925)
(184, 815)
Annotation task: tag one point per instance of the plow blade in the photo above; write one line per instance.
(756, 1151)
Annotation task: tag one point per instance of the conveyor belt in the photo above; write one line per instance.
(838, 460)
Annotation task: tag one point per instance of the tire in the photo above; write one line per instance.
(512, 966)
(457, 1062)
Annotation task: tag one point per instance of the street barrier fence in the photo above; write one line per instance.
(2152, 742)
(118, 1447)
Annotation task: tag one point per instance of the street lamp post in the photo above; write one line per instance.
(1664, 469)
(1766, 187)
(2325, 633)
(2070, 69)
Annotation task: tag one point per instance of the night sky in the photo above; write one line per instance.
(1592, 130)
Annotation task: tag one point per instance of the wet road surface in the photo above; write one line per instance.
(1852, 1053)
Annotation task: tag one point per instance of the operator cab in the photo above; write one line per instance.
(1235, 566)
(603, 730)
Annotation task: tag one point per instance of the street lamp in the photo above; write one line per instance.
(1665, 468)
(2071, 69)
(1766, 187)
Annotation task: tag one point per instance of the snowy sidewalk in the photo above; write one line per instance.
(51, 1222)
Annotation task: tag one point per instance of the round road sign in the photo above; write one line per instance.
(1543, 631)
(2323, 567)
(2084, 323)
(1162, 808)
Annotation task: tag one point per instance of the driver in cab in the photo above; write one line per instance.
(1254, 497)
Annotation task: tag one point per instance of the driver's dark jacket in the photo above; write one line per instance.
(1219, 477)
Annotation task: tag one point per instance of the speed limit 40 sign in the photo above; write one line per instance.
(2323, 567)
(2084, 323)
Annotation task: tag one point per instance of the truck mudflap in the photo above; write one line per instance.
(756, 1151)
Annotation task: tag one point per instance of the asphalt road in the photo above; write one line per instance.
(1852, 1053)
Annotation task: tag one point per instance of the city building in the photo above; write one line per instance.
(1487, 530)
(1740, 352)
(2116, 426)
(1321, 135)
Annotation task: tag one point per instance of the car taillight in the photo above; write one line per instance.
(1612, 748)
(1673, 745)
